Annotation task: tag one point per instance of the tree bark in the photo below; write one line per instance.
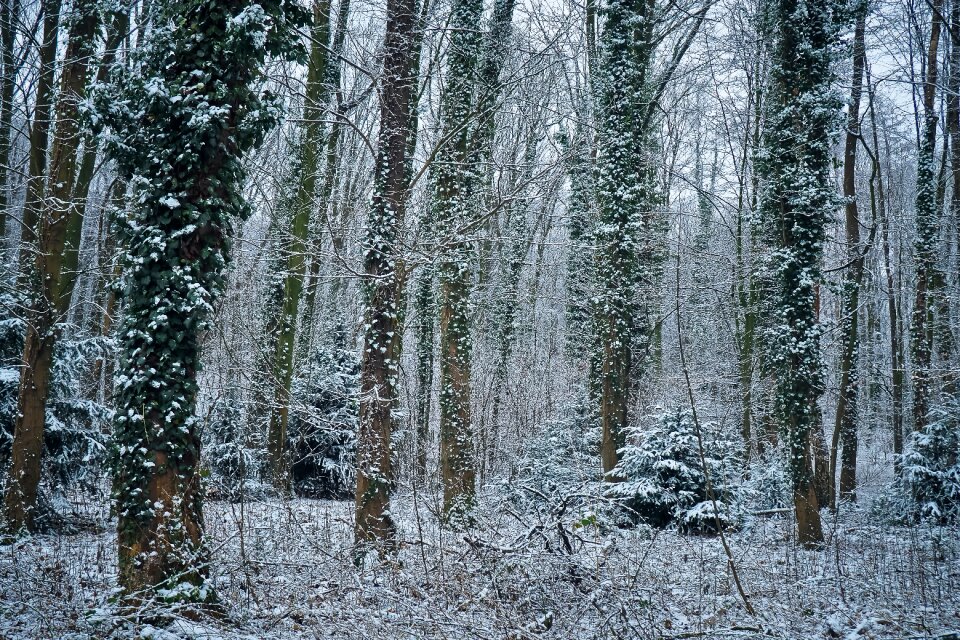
(9, 16)
(467, 105)
(304, 171)
(186, 140)
(52, 299)
(926, 241)
(320, 218)
(896, 340)
(798, 193)
(39, 136)
(380, 364)
(845, 427)
(625, 200)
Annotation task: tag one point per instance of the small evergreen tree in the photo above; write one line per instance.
(232, 463)
(324, 418)
(74, 440)
(664, 480)
(931, 468)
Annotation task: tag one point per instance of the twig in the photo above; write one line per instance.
(703, 458)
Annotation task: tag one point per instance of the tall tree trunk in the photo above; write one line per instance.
(625, 200)
(845, 427)
(453, 204)
(425, 306)
(110, 271)
(116, 32)
(9, 16)
(39, 136)
(380, 365)
(52, 297)
(298, 207)
(629, 229)
(424, 296)
(746, 289)
(896, 340)
(926, 243)
(189, 192)
(945, 337)
(467, 110)
(330, 170)
(795, 171)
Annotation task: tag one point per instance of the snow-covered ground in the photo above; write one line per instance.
(285, 569)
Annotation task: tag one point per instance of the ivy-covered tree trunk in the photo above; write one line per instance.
(628, 232)
(297, 206)
(926, 245)
(50, 292)
(797, 197)
(182, 121)
(626, 199)
(845, 428)
(380, 365)
(470, 93)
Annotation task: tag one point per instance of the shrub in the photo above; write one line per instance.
(324, 418)
(930, 465)
(232, 462)
(663, 477)
(563, 455)
(76, 428)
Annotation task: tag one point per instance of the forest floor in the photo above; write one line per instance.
(285, 569)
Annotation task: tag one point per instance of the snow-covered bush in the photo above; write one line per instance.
(930, 465)
(663, 480)
(76, 428)
(324, 417)
(767, 484)
(563, 455)
(232, 462)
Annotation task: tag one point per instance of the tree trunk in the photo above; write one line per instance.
(300, 204)
(380, 365)
(116, 32)
(625, 200)
(896, 341)
(845, 427)
(9, 16)
(926, 243)
(795, 173)
(467, 105)
(177, 251)
(945, 337)
(425, 305)
(332, 75)
(52, 298)
(39, 136)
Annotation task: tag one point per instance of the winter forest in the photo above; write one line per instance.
(479, 319)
